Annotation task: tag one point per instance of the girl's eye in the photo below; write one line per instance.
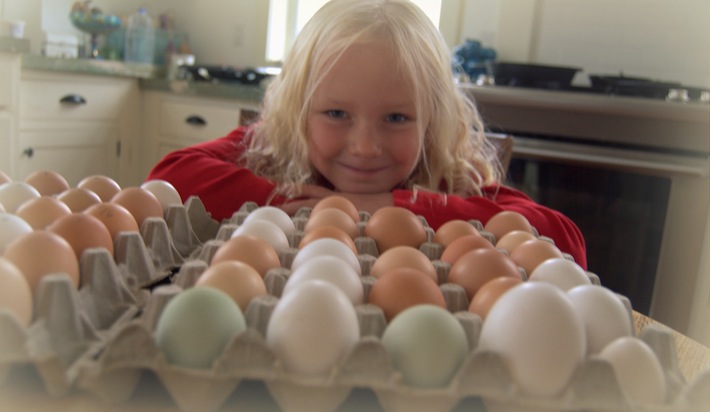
(396, 118)
(336, 114)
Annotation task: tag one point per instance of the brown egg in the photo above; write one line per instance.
(47, 182)
(337, 202)
(256, 252)
(141, 203)
(395, 226)
(4, 178)
(15, 292)
(82, 231)
(402, 288)
(237, 279)
(115, 217)
(403, 256)
(475, 268)
(453, 229)
(42, 211)
(79, 199)
(105, 187)
(529, 254)
(512, 239)
(462, 245)
(507, 221)
(489, 293)
(328, 232)
(332, 217)
(40, 253)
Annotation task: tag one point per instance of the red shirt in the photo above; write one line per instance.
(209, 171)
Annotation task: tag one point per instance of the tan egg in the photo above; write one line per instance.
(141, 203)
(254, 251)
(115, 217)
(337, 202)
(328, 232)
(47, 182)
(400, 257)
(237, 279)
(392, 226)
(78, 199)
(332, 217)
(472, 270)
(15, 292)
(56, 256)
(463, 245)
(4, 178)
(42, 211)
(507, 221)
(105, 187)
(453, 229)
(512, 239)
(82, 231)
(402, 288)
(529, 254)
(489, 293)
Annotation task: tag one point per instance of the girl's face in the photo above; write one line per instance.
(363, 124)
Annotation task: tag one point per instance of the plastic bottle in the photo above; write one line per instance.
(140, 38)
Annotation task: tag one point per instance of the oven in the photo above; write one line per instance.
(633, 174)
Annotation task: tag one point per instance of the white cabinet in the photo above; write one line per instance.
(78, 125)
(173, 121)
(9, 102)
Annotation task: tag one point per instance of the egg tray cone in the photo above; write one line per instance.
(99, 338)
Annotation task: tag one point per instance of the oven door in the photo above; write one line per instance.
(643, 214)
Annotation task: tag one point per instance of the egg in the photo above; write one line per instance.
(15, 292)
(512, 239)
(329, 269)
(196, 325)
(403, 256)
(42, 211)
(637, 369)
(14, 194)
(327, 247)
(332, 217)
(57, 256)
(105, 187)
(605, 317)
(560, 272)
(164, 191)
(11, 228)
(78, 199)
(507, 221)
(401, 288)
(4, 178)
(453, 229)
(395, 226)
(427, 345)
(312, 329)
(330, 232)
(115, 217)
(254, 251)
(462, 245)
(488, 294)
(47, 182)
(538, 334)
(266, 230)
(82, 231)
(237, 279)
(337, 202)
(531, 253)
(472, 270)
(141, 203)
(273, 215)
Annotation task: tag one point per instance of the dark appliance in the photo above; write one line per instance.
(226, 74)
(533, 75)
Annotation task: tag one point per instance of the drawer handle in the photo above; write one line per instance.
(74, 99)
(196, 121)
(29, 152)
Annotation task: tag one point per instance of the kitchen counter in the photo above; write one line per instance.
(91, 66)
(13, 45)
(236, 91)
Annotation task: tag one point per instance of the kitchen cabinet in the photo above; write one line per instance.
(78, 125)
(9, 101)
(173, 121)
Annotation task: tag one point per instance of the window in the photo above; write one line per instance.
(287, 18)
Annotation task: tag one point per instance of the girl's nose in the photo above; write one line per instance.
(364, 140)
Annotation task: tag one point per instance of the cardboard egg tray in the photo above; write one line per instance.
(99, 339)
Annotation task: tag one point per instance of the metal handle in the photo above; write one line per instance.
(74, 99)
(196, 120)
(29, 152)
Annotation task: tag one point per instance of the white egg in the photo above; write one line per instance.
(14, 194)
(11, 228)
(327, 247)
(312, 329)
(637, 369)
(540, 336)
(164, 191)
(330, 269)
(273, 215)
(266, 230)
(560, 272)
(604, 314)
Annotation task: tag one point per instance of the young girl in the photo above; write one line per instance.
(365, 106)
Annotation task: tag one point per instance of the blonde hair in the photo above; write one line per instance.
(455, 155)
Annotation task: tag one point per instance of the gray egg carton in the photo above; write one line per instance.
(99, 339)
